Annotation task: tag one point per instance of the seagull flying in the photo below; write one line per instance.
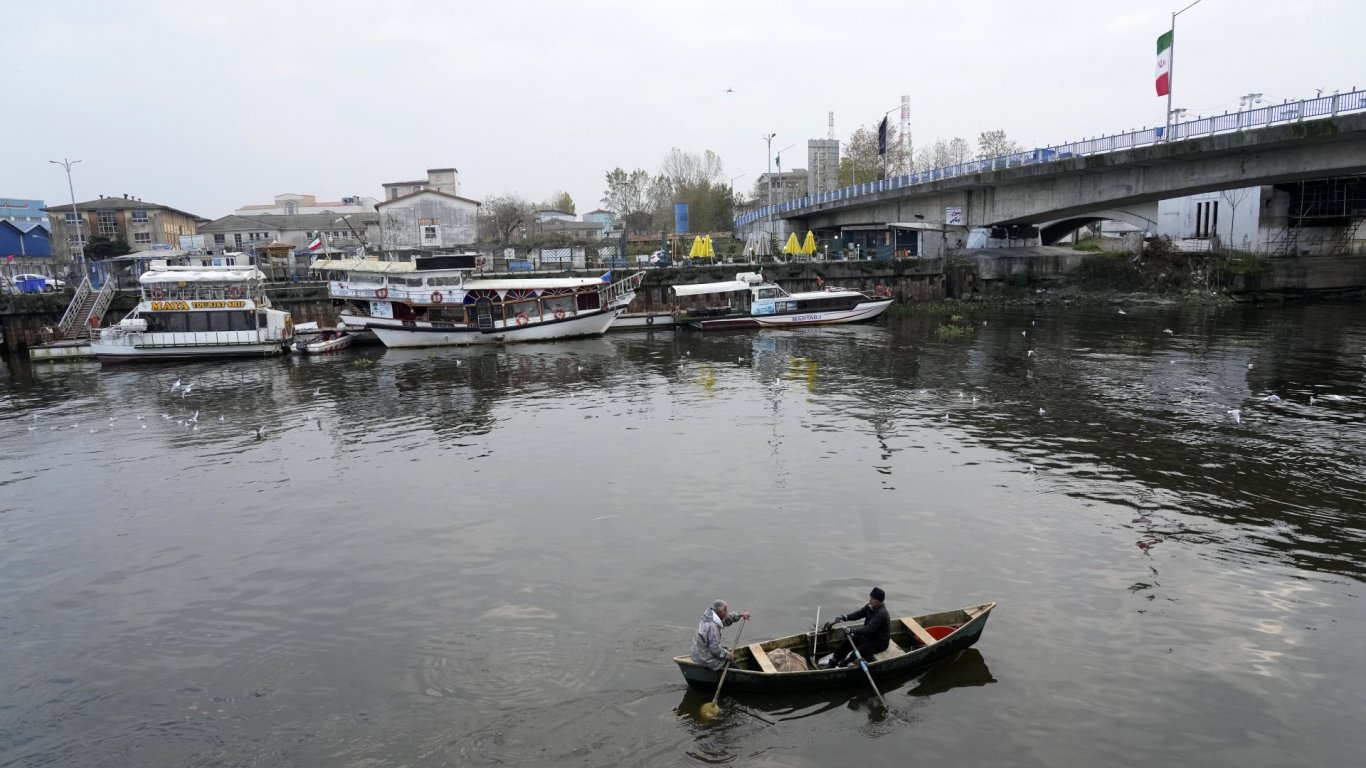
(176, 385)
(1122, 312)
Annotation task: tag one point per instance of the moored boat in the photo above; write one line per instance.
(757, 303)
(435, 301)
(324, 341)
(916, 642)
(196, 310)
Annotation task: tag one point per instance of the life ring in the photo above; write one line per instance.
(381, 293)
(234, 292)
(158, 293)
(522, 319)
(559, 313)
(436, 297)
(94, 321)
(649, 319)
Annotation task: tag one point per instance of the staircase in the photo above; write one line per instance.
(621, 292)
(86, 303)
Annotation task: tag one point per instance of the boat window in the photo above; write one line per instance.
(447, 313)
(174, 322)
(443, 281)
(768, 293)
(366, 278)
(411, 282)
(198, 321)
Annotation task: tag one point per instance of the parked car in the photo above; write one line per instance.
(34, 283)
(659, 259)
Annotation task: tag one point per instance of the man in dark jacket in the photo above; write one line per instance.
(875, 634)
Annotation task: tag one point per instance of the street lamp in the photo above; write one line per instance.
(80, 238)
(732, 184)
(768, 222)
(1247, 101)
(1175, 117)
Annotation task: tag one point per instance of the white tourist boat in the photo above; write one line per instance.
(195, 311)
(435, 301)
(752, 302)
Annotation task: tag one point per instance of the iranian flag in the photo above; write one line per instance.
(1164, 64)
(316, 244)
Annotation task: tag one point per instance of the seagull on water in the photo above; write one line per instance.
(1272, 399)
(1167, 331)
(260, 432)
(175, 385)
(1236, 415)
(1042, 412)
(1122, 312)
(1030, 353)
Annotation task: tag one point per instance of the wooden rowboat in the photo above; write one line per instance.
(916, 642)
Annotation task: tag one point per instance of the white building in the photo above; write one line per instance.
(1319, 217)
(427, 219)
(290, 204)
(445, 180)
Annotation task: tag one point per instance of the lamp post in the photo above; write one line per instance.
(80, 238)
(1246, 102)
(1171, 67)
(1175, 117)
(768, 219)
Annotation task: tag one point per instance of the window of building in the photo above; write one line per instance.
(237, 238)
(74, 238)
(219, 239)
(139, 217)
(73, 218)
(142, 237)
(108, 222)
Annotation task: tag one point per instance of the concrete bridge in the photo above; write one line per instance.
(1060, 189)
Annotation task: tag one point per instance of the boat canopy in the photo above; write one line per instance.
(363, 265)
(530, 282)
(238, 275)
(729, 286)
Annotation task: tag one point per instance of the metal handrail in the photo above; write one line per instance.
(1320, 107)
(73, 309)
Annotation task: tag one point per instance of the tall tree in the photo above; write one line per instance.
(501, 218)
(560, 201)
(628, 196)
(861, 161)
(997, 144)
(101, 247)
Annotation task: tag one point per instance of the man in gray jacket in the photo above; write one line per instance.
(706, 644)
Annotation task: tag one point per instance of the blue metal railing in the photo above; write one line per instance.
(1274, 114)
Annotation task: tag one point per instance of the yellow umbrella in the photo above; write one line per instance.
(696, 249)
(809, 246)
(707, 250)
(793, 247)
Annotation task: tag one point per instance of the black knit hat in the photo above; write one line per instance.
(878, 594)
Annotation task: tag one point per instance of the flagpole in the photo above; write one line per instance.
(1171, 68)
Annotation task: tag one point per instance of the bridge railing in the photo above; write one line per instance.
(1273, 114)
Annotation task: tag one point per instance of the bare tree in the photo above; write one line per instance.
(500, 217)
(997, 144)
(628, 196)
(1233, 197)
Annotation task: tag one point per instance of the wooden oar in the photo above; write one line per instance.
(710, 710)
(864, 664)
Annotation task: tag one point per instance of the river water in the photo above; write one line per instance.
(489, 557)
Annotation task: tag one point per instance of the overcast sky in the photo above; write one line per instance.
(213, 104)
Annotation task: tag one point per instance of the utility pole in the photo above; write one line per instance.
(1171, 70)
(768, 220)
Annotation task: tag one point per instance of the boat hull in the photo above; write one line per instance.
(400, 334)
(862, 312)
(638, 321)
(124, 353)
(741, 679)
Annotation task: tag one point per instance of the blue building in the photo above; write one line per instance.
(21, 211)
(24, 239)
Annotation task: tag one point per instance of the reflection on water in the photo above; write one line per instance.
(489, 556)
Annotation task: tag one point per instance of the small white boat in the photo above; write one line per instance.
(642, 321)
(324, 341)
(196, 310)
(756, 303)
(433, 301)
